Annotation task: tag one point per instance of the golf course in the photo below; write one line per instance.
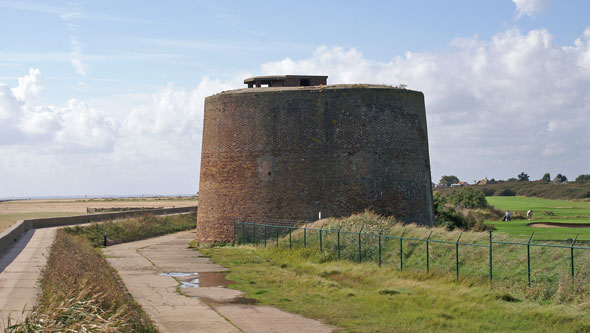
(552, 219)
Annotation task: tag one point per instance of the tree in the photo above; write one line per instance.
(546, 177)
(448, 180)
(583, 178)
(523, 177)
(469, 197)
(560, 178)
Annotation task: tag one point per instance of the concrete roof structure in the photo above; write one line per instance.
(286, 81)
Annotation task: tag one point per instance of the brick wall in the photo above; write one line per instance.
(288, 153)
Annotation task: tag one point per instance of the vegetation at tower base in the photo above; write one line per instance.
(290, 153)
(363, 297)
(82, 292)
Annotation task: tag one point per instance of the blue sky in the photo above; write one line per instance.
(107, 97)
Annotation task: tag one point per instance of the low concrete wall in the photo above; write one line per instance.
(10, 235)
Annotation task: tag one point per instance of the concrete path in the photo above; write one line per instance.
(203, 309)
(21, 268)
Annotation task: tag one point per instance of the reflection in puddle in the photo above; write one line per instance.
(196, 280)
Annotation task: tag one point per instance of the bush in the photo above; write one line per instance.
(469, 197)
(446, 216)
(504, 192)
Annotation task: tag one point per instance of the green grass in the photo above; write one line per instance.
(565, 211)
(133, 229)
(81, 292)
(365, 298)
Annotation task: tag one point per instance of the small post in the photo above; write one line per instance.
(360, 252)
(572, 255)
(339, 241)
(321, 245)
(265, 235)
(457, 254)
(491, 270)
(290, 242)
(528, 258)
(380, 233)
(235, 232)
(319, 215)
(428, 253)
(243, 232)
(277, 233)
(305, 236)
(254, 232)
(401, 251)
(105, 239)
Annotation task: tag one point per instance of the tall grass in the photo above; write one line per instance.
(550, 267)
(81, 292)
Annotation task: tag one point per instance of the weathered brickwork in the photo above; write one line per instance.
(289, 153)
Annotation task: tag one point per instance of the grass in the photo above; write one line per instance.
(565, 211)
(6, 220)
(129, 230)
(82, 292)
(365, 298)
(551, 279)
(570, 190)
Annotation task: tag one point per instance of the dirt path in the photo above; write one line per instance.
(203, 309)
(20, 269)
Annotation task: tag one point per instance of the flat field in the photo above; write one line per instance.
(576, 212)
(14, 211)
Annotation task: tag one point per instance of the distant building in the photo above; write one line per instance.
(459, 184)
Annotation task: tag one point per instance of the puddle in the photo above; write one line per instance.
(196, 280)
(178, 274)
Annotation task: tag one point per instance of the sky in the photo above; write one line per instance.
(106, 97)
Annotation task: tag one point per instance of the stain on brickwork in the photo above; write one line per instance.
(289, 153)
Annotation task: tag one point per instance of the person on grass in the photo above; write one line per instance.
(529, 214)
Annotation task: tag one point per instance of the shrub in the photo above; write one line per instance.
(505, 192)
(583, 178)
(448, 217)
(469, 197)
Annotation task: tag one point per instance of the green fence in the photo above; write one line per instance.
(410, 252)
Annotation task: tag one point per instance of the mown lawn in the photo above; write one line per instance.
(362, 297)
(565, 211)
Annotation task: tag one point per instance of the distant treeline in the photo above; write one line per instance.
(540, 189)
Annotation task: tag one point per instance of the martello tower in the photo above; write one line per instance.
(288, 147)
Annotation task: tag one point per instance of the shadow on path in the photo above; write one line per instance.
(8, 257)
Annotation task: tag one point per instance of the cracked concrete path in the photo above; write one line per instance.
(22, 265)
(204, 309)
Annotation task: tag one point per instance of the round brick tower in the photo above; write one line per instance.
(299, 147)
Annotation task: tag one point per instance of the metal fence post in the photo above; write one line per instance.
(528, 258)
(572, 255)
(254, 232)
(305, 236)
(491, 276)
(457, 254)
(428, 253)
(290, 242)
(235, 233)
(339, 241)
(321, 245)
(380, 233)
(360, 250)
(401, 251)
(277, 233)
(265, 235)
(243, 232)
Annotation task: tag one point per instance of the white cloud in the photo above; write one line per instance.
(529, 7)
(29, 85)
(495, 107)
